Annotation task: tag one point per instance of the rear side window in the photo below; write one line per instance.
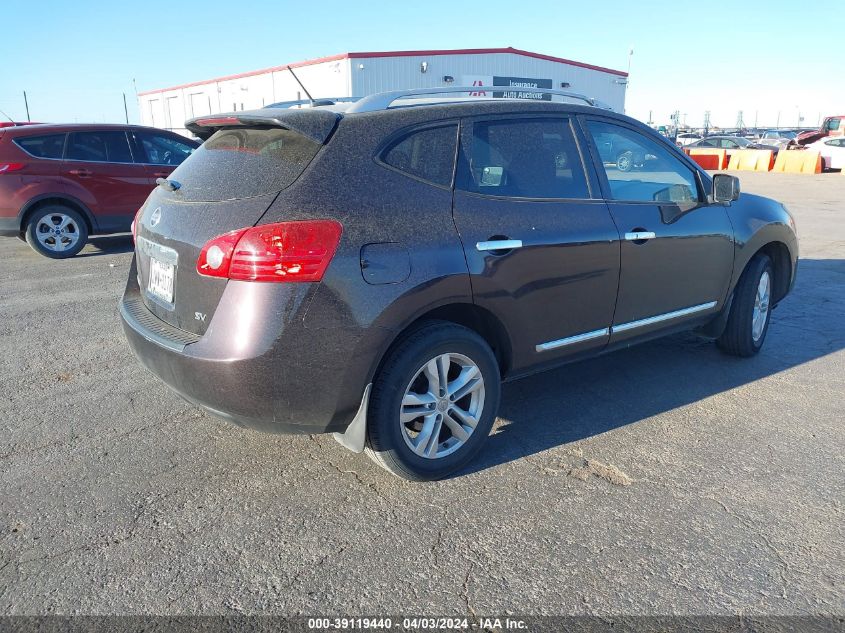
(101, 147)
(162, 150)
(428, 154)
(528, 158)
(49, 146)
(243, 163)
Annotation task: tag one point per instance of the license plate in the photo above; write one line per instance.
(161, 280)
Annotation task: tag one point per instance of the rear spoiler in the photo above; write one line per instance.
(317, 125)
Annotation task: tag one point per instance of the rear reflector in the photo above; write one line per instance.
(5, 168)
(285, 251)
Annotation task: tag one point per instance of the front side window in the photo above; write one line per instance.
(428, 154)
(640, 169)
(527, 158)
(48, 146)
(833, 124)
(101, 147)
(163, 150)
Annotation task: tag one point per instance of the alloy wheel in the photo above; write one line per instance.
(57, 232)
(442, 405)
(761, 306)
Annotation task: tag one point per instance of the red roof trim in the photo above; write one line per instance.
(422, 53)
(251, 73)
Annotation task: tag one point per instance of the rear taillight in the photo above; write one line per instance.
(135, 223)
(285, 251)
(5, 168)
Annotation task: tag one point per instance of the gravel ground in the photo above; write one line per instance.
(667, 478)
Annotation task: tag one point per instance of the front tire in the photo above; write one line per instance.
(56, 231)
(751, 311)
(433, 403)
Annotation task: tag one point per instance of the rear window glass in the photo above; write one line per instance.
(101, 147)
(243, 163)
(49, 146)
(428, 154)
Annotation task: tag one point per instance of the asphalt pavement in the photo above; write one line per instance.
(667, 478)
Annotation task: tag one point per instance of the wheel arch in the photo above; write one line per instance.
(33, 205)
(778, 253)
(478, 319)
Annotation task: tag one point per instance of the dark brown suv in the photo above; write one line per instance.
(375, 269)
(61, 183)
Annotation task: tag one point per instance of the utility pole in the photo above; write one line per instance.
(777, 125)
(26, 103)
(125, 109)
(706, 122)
(740, 123)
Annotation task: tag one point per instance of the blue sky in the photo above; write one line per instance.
(763, 57)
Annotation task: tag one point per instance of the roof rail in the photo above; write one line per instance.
(319, 101)
(382, 100)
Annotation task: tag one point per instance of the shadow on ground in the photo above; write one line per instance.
(598, 395)
(108, 245)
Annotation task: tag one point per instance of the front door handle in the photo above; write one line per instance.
(639, 236)
(82, 173)
(498, 245)
(161, 174)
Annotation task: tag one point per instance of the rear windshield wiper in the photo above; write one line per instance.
(170, 185)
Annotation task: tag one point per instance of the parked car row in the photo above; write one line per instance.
(61, 183)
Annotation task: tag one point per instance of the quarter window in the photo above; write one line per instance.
(529, 158)
(640, 169)
(49, 146)
(101, 147)
(428, 154)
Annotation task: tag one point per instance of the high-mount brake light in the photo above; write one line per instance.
(282, 252)
(218, 121)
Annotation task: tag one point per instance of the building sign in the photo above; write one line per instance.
(508, 87)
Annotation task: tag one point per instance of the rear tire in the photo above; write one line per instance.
(421, 426)
(56, 231)
(751, 311)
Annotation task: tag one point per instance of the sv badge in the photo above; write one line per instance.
(199, 316)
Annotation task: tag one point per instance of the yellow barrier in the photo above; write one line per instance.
(799, 161)
(752, 160)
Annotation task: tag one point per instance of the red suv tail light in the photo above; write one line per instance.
(5, 168)
(285, 251)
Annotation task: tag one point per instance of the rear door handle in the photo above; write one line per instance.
(83, 173)
(161, 174)
(498, 245)
(639, 236)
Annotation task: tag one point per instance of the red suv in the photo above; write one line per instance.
(61, 183)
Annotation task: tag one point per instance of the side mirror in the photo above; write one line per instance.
(725, 188)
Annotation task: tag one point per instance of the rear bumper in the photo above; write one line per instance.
(273, 375)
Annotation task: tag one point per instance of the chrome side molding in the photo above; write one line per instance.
(571, 340)
(624, 327)
(635, 236)
(498, 245)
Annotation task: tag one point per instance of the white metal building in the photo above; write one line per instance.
(509, 71)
